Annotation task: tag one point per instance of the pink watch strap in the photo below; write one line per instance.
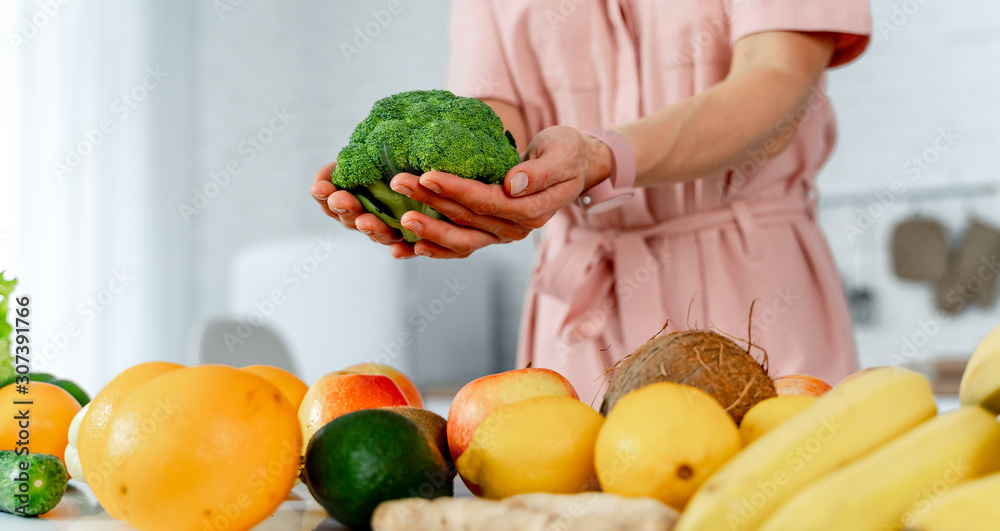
(622, 157)
(616, 190)
(618, 187)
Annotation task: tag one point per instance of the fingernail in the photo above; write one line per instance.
(519, 183)
(430, 185)
(407, 257)
(425, 252)
(414, 226)
(339, 210)
(402, 189)
(320, 197)
(366, 232)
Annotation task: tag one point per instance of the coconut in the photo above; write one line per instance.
(699, 358)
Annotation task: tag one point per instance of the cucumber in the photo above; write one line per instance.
(30, 484)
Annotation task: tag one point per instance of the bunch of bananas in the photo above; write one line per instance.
(870, 455)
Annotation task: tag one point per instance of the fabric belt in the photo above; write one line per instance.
(578, 275)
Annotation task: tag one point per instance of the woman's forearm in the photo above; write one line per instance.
(752, 111)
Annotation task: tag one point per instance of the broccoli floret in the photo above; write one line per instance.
(416, 132)
(6, 356)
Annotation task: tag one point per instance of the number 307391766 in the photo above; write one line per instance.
(22, 338)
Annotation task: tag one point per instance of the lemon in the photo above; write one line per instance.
(663, 441)
(767, 414)
(542, 444)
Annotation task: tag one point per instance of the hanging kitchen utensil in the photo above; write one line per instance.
(861, 302)
(970, 275)
(948, 294)
(979, 250)
(919, 250)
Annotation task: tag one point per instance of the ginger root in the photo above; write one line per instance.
(591, 511)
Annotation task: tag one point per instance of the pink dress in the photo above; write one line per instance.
(604, 284)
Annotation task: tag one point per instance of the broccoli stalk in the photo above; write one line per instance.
(416, 132)
(389, 205)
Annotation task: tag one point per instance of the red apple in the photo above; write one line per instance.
(337, 394)
(404, 383)
(481, 396)
(800, 384)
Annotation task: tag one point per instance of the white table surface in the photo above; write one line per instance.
(79, 511)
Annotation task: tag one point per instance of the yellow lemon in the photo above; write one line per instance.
(542, 444)
(663, 441)
(767, 414)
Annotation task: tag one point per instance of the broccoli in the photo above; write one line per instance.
(416, 132)
(6, 356)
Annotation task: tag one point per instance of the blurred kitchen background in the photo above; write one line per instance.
(156, 159)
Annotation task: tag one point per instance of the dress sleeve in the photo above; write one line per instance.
(477, 64)
(851, 19)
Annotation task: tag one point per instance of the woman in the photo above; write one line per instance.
(715, 108)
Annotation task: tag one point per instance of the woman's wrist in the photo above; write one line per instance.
(598, 157)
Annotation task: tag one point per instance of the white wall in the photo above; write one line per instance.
(320, 62)
(264, 56)
(932, 66)
(232, 70)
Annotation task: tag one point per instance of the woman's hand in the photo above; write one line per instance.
(559, 165)
(344, 207)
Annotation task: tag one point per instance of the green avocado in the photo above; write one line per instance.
(364, 458)
(30, 484)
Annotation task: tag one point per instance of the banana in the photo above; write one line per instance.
(859, 414)
(874, 492)
(968, 507)
(981, 380)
